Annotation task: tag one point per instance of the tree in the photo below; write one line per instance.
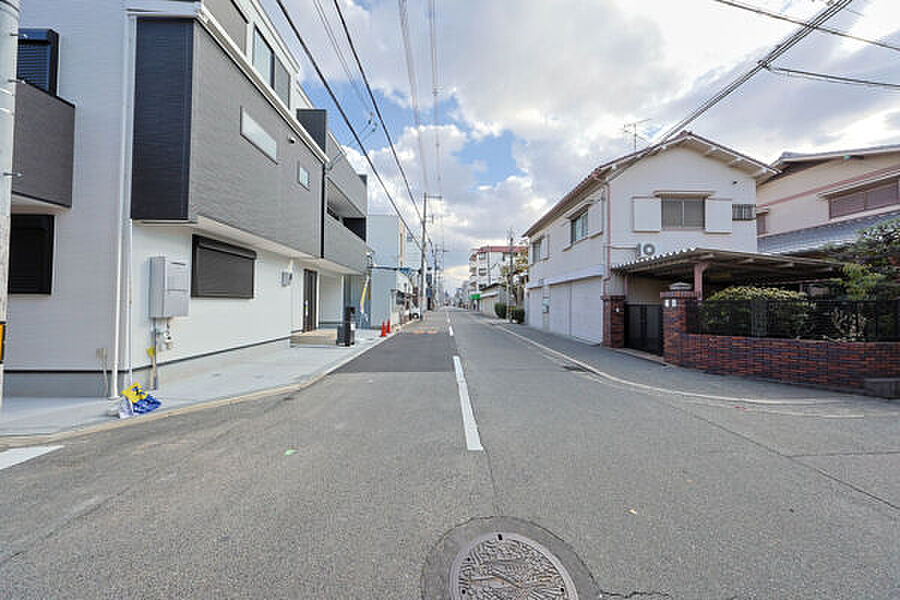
(520, 276)
(873, 267)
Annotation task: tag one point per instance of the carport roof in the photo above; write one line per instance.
(726, 266)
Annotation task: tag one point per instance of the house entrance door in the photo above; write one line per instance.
(310, 299)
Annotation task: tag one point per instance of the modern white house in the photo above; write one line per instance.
(209, 212)
(393, 281)
(485, 271)
(826, 198)
(688, 193)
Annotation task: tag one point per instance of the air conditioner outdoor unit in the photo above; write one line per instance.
(645, 250)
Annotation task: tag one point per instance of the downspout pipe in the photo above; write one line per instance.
(113, 393)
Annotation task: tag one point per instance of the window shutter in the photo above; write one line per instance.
(718, 215)
(221, 270)
(30, 254)
(647, 214)
(38, 57)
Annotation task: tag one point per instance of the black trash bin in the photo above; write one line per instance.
(346, 333)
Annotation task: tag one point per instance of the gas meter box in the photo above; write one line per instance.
(170, 288)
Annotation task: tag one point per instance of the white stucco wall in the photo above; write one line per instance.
(793, 199)
(213, 324)
(683, 170)
(65, 329)
(385, 235)
(331, 298)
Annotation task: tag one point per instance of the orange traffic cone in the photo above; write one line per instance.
(383, 330)
(389, 327)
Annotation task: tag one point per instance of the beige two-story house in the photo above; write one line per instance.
(826, 198)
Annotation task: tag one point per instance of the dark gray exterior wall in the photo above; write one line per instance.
(346, 179)
(232, 181)
(162, 119)
(231, 18)
(43, 147)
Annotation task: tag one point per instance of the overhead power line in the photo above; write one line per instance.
(791, 41)
(384, 126)
(413, 89)
(343, 114)
(832, 78)
(340, 55)
(434, 92)
(783, 17)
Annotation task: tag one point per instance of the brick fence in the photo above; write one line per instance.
(840, 365)
(614, 321)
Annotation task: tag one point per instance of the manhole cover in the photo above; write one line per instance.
(508, 566)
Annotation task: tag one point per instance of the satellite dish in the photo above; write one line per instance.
(648, 250)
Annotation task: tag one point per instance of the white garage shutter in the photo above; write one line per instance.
(587, 310)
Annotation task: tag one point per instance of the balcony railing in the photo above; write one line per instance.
(44, 146)
(344, 247)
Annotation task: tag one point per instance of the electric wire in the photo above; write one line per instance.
(346, 119)
(340, 56)
(435, 91)
(832, 78)
(384, 127)
(788, 43)
(413, 89)
(783, 17)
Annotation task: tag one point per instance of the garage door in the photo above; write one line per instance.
(587, 310)
(560, 308)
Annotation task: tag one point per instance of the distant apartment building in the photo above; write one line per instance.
(180, 200)
(393, 282)
(827, 198)
(608, 239)
(486, 264)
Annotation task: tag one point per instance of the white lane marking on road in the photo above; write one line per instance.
(451, 330)
(596, 371)
(473, 441)
(15, 456)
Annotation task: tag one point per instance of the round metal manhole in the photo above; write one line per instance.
(508, 566)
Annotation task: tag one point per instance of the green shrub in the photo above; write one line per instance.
(746, 292)
(755, 311)
(500, 309)
(518, 314)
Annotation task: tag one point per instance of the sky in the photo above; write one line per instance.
(533, 94)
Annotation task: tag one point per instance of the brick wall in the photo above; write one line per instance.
(840, 365)
(614, 321)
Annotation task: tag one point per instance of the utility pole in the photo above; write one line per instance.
(422, 264)
(9, 49)
(509, 279)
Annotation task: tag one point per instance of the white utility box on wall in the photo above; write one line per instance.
(170, 288)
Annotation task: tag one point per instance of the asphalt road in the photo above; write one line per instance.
(661, 481)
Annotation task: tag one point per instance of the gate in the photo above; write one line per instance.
(643, 327)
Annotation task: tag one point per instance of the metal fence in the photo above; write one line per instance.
(838, 320)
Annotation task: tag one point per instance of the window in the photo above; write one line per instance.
(743, 212)
(682, 213)
(267, 64)
(38, 58)
(861, 200)
(578, 227)
(30, 254)
(302, 176)
(537, 250)
(762, 225)
(220, 270)
(259, 137)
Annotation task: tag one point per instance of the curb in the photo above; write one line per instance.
(16, 441)
(658, 390)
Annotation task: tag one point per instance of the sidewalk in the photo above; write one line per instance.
(281, 370)
(642, 371)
